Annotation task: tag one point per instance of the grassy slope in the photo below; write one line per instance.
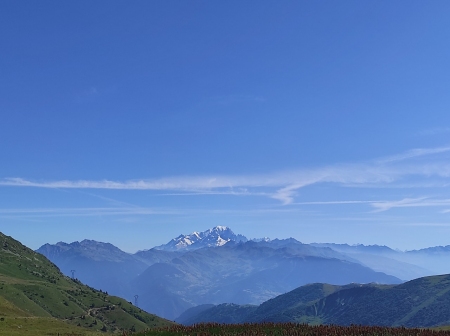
(424, 302)
(18, 326)
(279, 308)
(32, 287)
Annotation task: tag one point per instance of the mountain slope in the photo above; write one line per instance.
(266, 311)
(101, 265)
(31, 286)
(424, 302)
(244, 273)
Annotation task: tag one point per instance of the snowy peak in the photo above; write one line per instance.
(217, 236)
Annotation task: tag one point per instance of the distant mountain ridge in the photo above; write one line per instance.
(380, 249)
(217, 266)
(434, 249)
(87, 248)
(217, 236)
(382, 259)
(404, 264)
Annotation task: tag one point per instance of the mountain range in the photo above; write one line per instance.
(209, 267)
(423, 302)
(240, 280)
(243, 273)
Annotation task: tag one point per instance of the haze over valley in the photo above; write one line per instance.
(218, 266)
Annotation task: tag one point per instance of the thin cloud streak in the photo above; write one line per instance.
(410, 203)
(426, 224)
(57, 212)
(281, 186)
(382, 206)
(88, 212)
(335, 202)
(413, 153)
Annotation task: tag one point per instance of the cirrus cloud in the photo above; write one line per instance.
(393, 171)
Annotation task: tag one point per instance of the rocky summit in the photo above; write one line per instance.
(217, 236)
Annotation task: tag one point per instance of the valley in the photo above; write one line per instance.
(219, 278)
(235, 276)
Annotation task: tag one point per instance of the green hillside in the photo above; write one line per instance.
(423, 302)
(279, 307)
(34, 294)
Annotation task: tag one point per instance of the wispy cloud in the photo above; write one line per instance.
(410, 203)
(385, 205)
(395, 171)
(125, 212)
(413, 153)
(85, 212)
(427, 224)
(175, 183)
(335, 202)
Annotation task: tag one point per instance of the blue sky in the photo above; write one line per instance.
(133, 122)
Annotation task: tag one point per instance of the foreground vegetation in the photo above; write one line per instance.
(287, 329)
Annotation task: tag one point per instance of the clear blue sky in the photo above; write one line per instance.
(133, 122)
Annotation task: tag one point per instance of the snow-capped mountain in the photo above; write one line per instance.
(217, 236)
